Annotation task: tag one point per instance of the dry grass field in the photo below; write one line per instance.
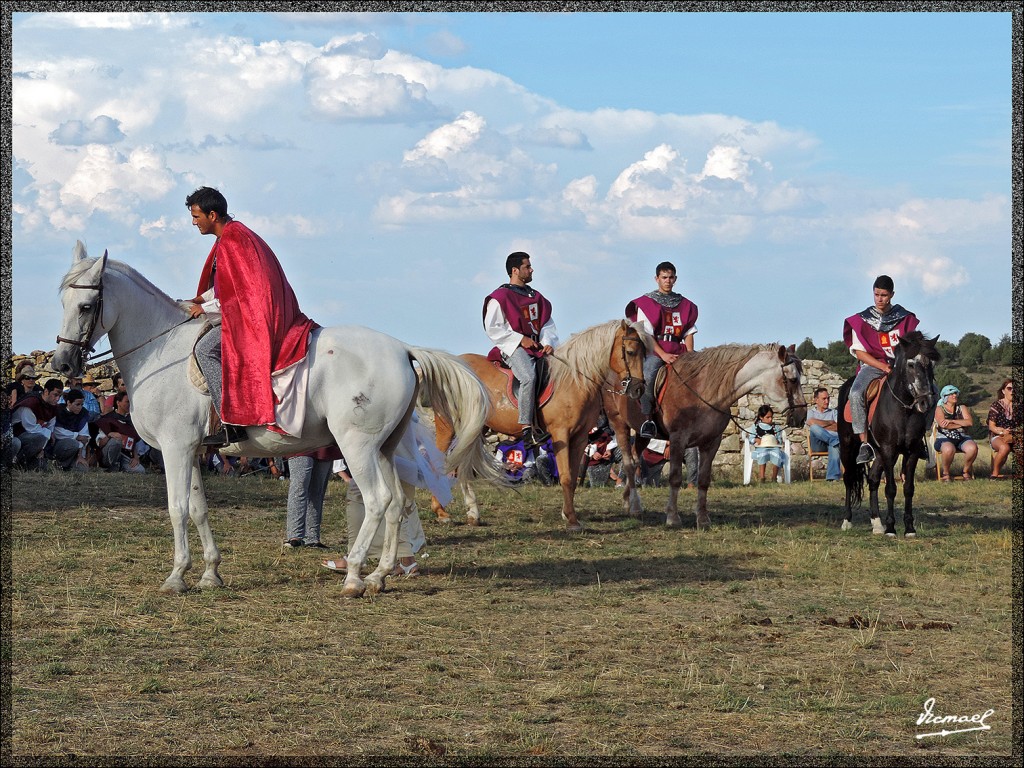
(772, 633)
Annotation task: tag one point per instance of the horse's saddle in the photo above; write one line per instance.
(545, 385)
(660, 379)
(871, 397)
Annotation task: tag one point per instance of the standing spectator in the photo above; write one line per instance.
(951, 421)
(71, 433)
(32, 423)
(117, 439)
(307, 485)
(1003, 430)
(821, 425)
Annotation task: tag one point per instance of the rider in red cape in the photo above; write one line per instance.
(262, 331)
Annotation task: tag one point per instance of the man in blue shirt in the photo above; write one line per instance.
(821, 424)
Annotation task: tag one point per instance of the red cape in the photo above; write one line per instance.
(263, 330)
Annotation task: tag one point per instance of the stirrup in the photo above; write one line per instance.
(648, 430)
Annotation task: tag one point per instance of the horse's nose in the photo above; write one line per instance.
(634, 389)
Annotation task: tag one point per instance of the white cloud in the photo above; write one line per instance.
(108, 181)
(449, 140)
(118, 21)
(101, 130)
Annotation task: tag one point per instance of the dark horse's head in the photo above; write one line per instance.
(914, 368)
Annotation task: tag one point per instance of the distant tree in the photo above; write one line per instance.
(954, 376)
(950, 353)
(838, 358)
(1001, 353)
(973, 347)
(807, 350)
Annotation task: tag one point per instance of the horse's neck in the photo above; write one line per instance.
(749, 376)
(140, 317)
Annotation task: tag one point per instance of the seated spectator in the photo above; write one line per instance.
(1003, 430)
(652, 462)
(308, 475)
(24, 384)
(545, 463)
(821, 425)
(71, 433)
(118, 442)
(32, 423)
(515, 458)
(107, 404)
(340, 470)
(951, 421)
(766, 439)
(600, 454)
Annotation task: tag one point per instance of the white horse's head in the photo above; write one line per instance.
(81, 294)
(781, 381)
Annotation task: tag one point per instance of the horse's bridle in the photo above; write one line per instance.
(916, 398)
(792, 387)
(628, 382)
(83, 344)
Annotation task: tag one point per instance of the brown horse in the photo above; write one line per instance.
(579, 370)
(700, 388)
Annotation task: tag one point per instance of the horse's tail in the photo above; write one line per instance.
(459, 398)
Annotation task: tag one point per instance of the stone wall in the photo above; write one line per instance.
(728, 462)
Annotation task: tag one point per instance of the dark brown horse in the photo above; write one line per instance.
(580, 369)
(898, 425)
(700, 389)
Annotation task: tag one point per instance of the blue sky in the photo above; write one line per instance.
(780, 160)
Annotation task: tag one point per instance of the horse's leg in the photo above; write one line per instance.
(199, 513)
(568, 453)
(707, 456)
(389, 550)
(178, 474)
(909, 468)
(472, 508)
(890, 494)
(443, 438)
(630, 495)
(675, 481)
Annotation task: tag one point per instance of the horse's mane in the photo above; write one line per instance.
(586, 357)
(82, 266)
(916, 343)
(723, 362)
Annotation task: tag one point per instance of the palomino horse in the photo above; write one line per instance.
(897, 426)
(579, 369)
(360, 393)
(700, 388)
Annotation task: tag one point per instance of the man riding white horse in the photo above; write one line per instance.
(259, 330)
(518, 320)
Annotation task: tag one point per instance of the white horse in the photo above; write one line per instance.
(361, 391)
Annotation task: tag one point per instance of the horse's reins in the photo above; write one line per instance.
(625, 363)
(789, 398)
(87, 348)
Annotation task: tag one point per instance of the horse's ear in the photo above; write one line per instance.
(791, 349)
(78, 252)
(782, 353)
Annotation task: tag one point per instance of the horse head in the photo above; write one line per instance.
(627, 358)
(82, 325)
(792, 371)
(915, 368)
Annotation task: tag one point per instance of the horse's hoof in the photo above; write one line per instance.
(211, 582)
(876, 527)
(910, 535)
(673, 521)
(374, 585)
(352, 590)
(473, 521)
(444, 520)
(847, 525)
(573, 527)
(174, 586)
(890, 535)
(704, 522)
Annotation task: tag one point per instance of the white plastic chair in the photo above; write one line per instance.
(748, 460)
